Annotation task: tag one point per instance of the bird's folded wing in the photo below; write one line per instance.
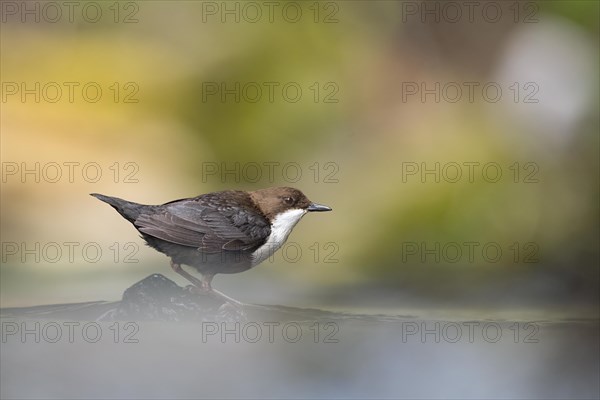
(206, 227)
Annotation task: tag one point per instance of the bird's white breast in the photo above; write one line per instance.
(281, 227)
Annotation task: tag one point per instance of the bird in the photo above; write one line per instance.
(221, 232)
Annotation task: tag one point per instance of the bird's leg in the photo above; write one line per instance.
(204, 284)
(177, 268)
(206, 280)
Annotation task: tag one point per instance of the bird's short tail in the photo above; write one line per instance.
(130, 210)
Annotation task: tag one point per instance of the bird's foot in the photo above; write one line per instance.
(197, 290)
(209, 291)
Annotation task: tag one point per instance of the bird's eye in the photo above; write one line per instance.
(288, 200)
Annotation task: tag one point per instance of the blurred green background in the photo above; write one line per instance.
(355, 124)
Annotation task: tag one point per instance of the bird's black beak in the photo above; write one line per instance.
(318, 207)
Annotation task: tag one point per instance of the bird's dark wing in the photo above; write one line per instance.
(208, 223)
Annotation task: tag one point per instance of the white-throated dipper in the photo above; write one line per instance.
(218, 233)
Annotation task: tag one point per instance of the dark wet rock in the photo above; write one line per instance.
(157, 298)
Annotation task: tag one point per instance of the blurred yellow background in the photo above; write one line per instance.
(360, 98)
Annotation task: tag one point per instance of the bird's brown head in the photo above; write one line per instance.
(275, 200)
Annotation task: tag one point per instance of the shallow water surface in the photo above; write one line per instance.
(283, 352)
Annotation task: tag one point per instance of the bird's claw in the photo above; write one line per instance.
(196, 290)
